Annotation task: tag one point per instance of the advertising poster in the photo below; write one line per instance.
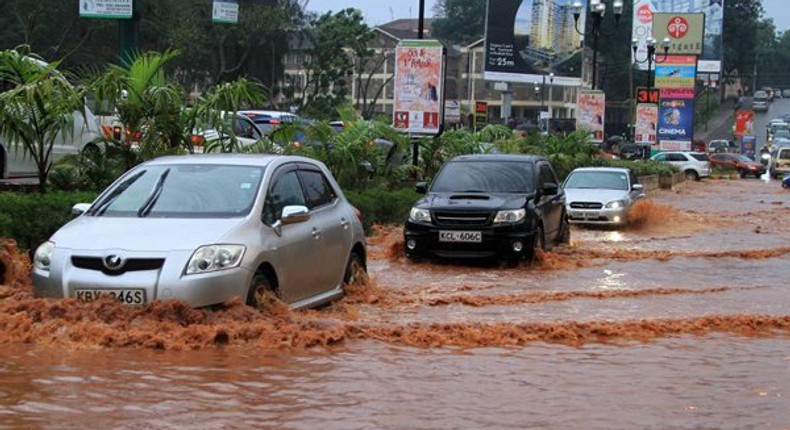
(676, 119)
(112, 9)
(646, 120)
(676, 71)
(710, 60)
(590, 111)
(452, 111)
(481, 114)
(744, 123)
(419, 75)
(225, 11)
(749, 146)
(528, 39)
(685, 31)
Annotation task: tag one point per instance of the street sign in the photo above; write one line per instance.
(481, 114)
(643, 95)
(112, 9)
(225, 11)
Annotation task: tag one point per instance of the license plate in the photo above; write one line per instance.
(460, 236)
(127, 296)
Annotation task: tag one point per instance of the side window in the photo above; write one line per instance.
(286, 191)
(677, 157)
(661, 157)
(317, 188)
(245, 128)
(546, 176)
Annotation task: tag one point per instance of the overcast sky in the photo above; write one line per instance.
(380, 11)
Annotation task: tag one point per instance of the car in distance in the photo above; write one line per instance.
(601, 195)
(743, 164)
(694, 165)
(760, 101)
(720, 145)
(205, 228)
(786, 94)
(488, 206)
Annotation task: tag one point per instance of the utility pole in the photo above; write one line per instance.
(754, 75)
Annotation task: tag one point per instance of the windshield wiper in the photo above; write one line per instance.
(146, 208)
(101, 207)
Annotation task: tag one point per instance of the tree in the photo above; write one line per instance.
(741, 17)
(38, 109)
(459, 22)
(368, 70)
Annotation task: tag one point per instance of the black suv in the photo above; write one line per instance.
(489, 205)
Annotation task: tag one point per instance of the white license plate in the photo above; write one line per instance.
(460, 236)
(126, 296)
(583, 215)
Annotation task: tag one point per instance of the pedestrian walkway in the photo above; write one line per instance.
(719, 126)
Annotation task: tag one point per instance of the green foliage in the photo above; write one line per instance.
(383, 206)
(640, 167)
(32, 218)
(93, 169)
(459, 21)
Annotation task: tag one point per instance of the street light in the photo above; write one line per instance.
(597, 13)
(651, 56)
(551, 98)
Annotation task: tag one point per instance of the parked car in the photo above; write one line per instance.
(634, 151)
(743, 164)
(269, 120)
(244, 129)
(780, 161)
(601, 195)
(694, 165)
(720, 145)
(206, 228)
(486, 206)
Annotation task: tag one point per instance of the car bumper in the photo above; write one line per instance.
(512, 242)
(614, 217)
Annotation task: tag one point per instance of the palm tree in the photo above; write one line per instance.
(38, 109)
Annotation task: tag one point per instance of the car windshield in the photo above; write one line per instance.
(485, 177)
(597, 180)
(182, 191)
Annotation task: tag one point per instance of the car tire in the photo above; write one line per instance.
(260, 290)
(564, 236)
(538, 242)
(356, 273)
(691, 175)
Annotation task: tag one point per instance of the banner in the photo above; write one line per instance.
(113, 9)
(528, 39)
(590, 111)
(685, 31)
(225, 11)
(481, 114)
(419, 75)
(646, 120)
(749, 146)
(714, 24)
(744, 123)
(676, 71)
(452, 111)
(676, 119)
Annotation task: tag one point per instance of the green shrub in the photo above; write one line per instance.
(32, 218)
(382, 206)
(640, 168)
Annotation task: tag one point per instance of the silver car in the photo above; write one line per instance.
(601, 195)
(206, 228)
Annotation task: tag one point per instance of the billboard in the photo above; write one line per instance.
(676, 71)
(113, 9)
(646, 120)
(714, 23)
(744, 123)
(685, 31)
(590, 111)
(419, 76)
(225, 11)
(676, 119)
(528, 39)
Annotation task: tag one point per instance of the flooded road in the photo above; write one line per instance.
(680, 321)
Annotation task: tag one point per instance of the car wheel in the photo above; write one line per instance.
(538, 242)
(564, 237)
(691, 175)
(260, 291)
(356, 274)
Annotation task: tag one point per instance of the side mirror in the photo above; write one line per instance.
(550, 189)
(295, 214)
(421, 187)
(638, 187)
(80, 208)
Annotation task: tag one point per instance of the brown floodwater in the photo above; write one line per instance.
(681, 320)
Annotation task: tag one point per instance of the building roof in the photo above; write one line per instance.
(406, 28)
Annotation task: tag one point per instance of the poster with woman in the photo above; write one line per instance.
(419, 75)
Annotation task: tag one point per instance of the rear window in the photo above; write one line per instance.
(514, 177)
(700, 157)
(784, 154)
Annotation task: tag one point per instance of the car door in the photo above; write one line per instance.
(292, 251)
(331, 229)
(551, 206)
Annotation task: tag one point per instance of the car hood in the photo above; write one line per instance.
(465, 201)
(593, 195)
(142, 234)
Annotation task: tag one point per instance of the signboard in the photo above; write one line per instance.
(452, 111)
(419, 75)
(676, 119)
(646, 120)
(749, 146)
(527, 39)
(684, 30)
(590, 111)
(481, 114)
(676, 71)
(744, 123)
(112, 9)
(714, 24)
(225, 11)
(643, 95)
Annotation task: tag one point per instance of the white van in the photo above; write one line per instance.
(16, 162)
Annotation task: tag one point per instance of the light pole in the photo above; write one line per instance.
(539, 93)
(551, 99)
(651, 56)
(597, 13)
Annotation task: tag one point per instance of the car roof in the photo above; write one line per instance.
(228, 158)
(602, 169)
(499, 157)
(271, 113)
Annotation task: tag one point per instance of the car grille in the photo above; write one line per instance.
(462, 219)
(130, 265)
(586, 205)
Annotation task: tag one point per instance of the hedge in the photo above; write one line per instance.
(383, 206)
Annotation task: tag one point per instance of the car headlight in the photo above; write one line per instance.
(617, 204)
(419, 215)
(211, 258)
(510, 216)
(41, 259)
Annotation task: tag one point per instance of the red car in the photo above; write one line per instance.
(745, 165)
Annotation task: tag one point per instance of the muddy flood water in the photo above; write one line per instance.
(680, 321)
